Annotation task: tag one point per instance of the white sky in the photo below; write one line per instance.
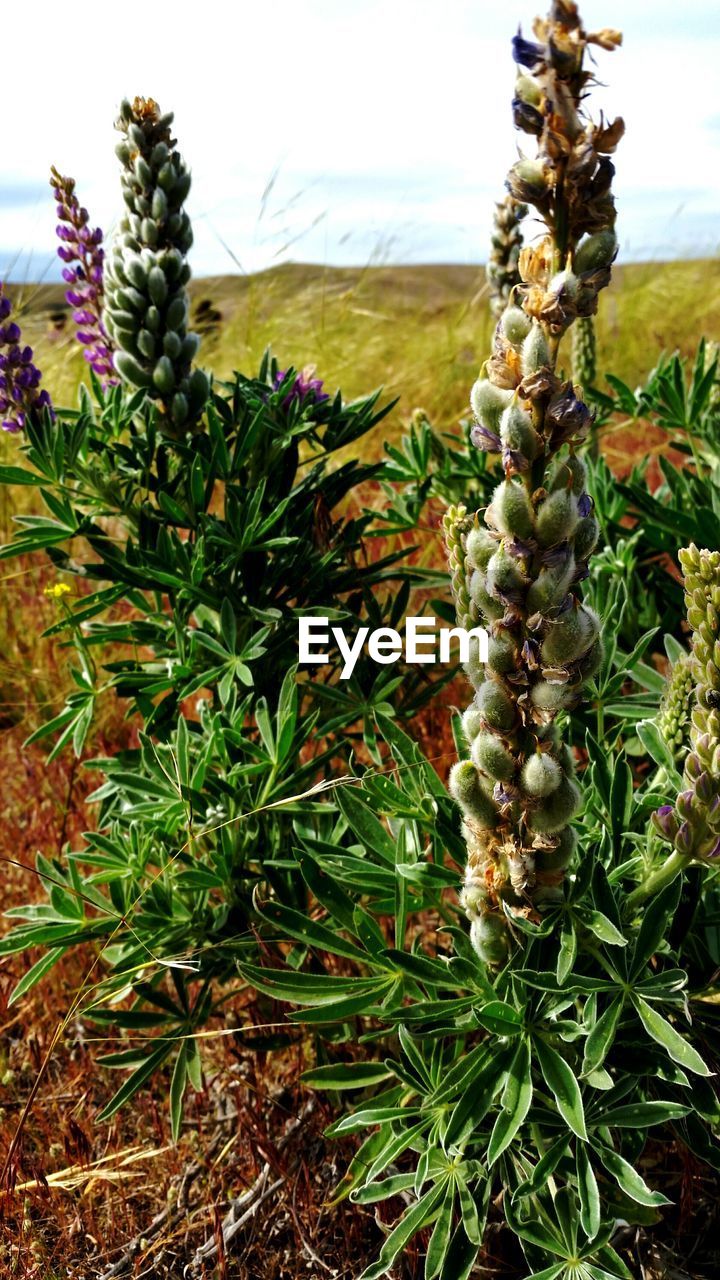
(385, 122)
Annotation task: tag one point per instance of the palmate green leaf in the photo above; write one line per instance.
(413, 1220)
(629, 1180)
(564, 1087)
(514, 1103)
(346, 1075)
(662, 1031)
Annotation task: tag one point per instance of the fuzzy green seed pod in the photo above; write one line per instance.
(489, 936)
(504, 573)
(492, 758)
(585, 537)
(503, 653)
(496, 706)
(511, 511)
(589, 665)
(472, 722)
(488, 608)
(517, 432)
(557, 518)
(584, 355)
(515, 325)
(541, 775)
(479, 547)
(466, 790)
(550, 588)
(596, 251)
(569, 474)
(552, 698)
(535, 351)
(557, 810)
(571, 636)
(488, 402)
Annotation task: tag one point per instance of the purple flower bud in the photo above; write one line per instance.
(484, 439)
(585, 504)
(684, 840)
(525, 52)
(665, 822)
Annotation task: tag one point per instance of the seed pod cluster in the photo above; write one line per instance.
(505, 245)
(527, 553)
(146, 300)
(693, 824)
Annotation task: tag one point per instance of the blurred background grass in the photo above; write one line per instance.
(419, 331)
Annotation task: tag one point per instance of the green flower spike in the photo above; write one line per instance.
(675, 712)
(146, 300)
(693, 825)
(505, 245)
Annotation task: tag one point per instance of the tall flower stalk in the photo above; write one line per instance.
(81, 251)
(20, 378)
(146, 304)
(524, 561)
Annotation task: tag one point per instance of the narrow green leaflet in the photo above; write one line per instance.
(515, 1102)
(413, 1220)
(564, 1087)
(660, 1030)
(629, 1180)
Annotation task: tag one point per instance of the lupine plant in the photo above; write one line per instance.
(200, 526)
(524, 1065)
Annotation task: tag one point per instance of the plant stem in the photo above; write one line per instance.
(658, 879)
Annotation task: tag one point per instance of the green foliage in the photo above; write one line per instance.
(202, 555)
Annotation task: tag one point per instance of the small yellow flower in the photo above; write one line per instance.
(57, 590)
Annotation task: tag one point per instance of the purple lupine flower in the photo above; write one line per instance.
(20, 379)
(81, 249)
(305, 387)
(485, 439)
(525, 52)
